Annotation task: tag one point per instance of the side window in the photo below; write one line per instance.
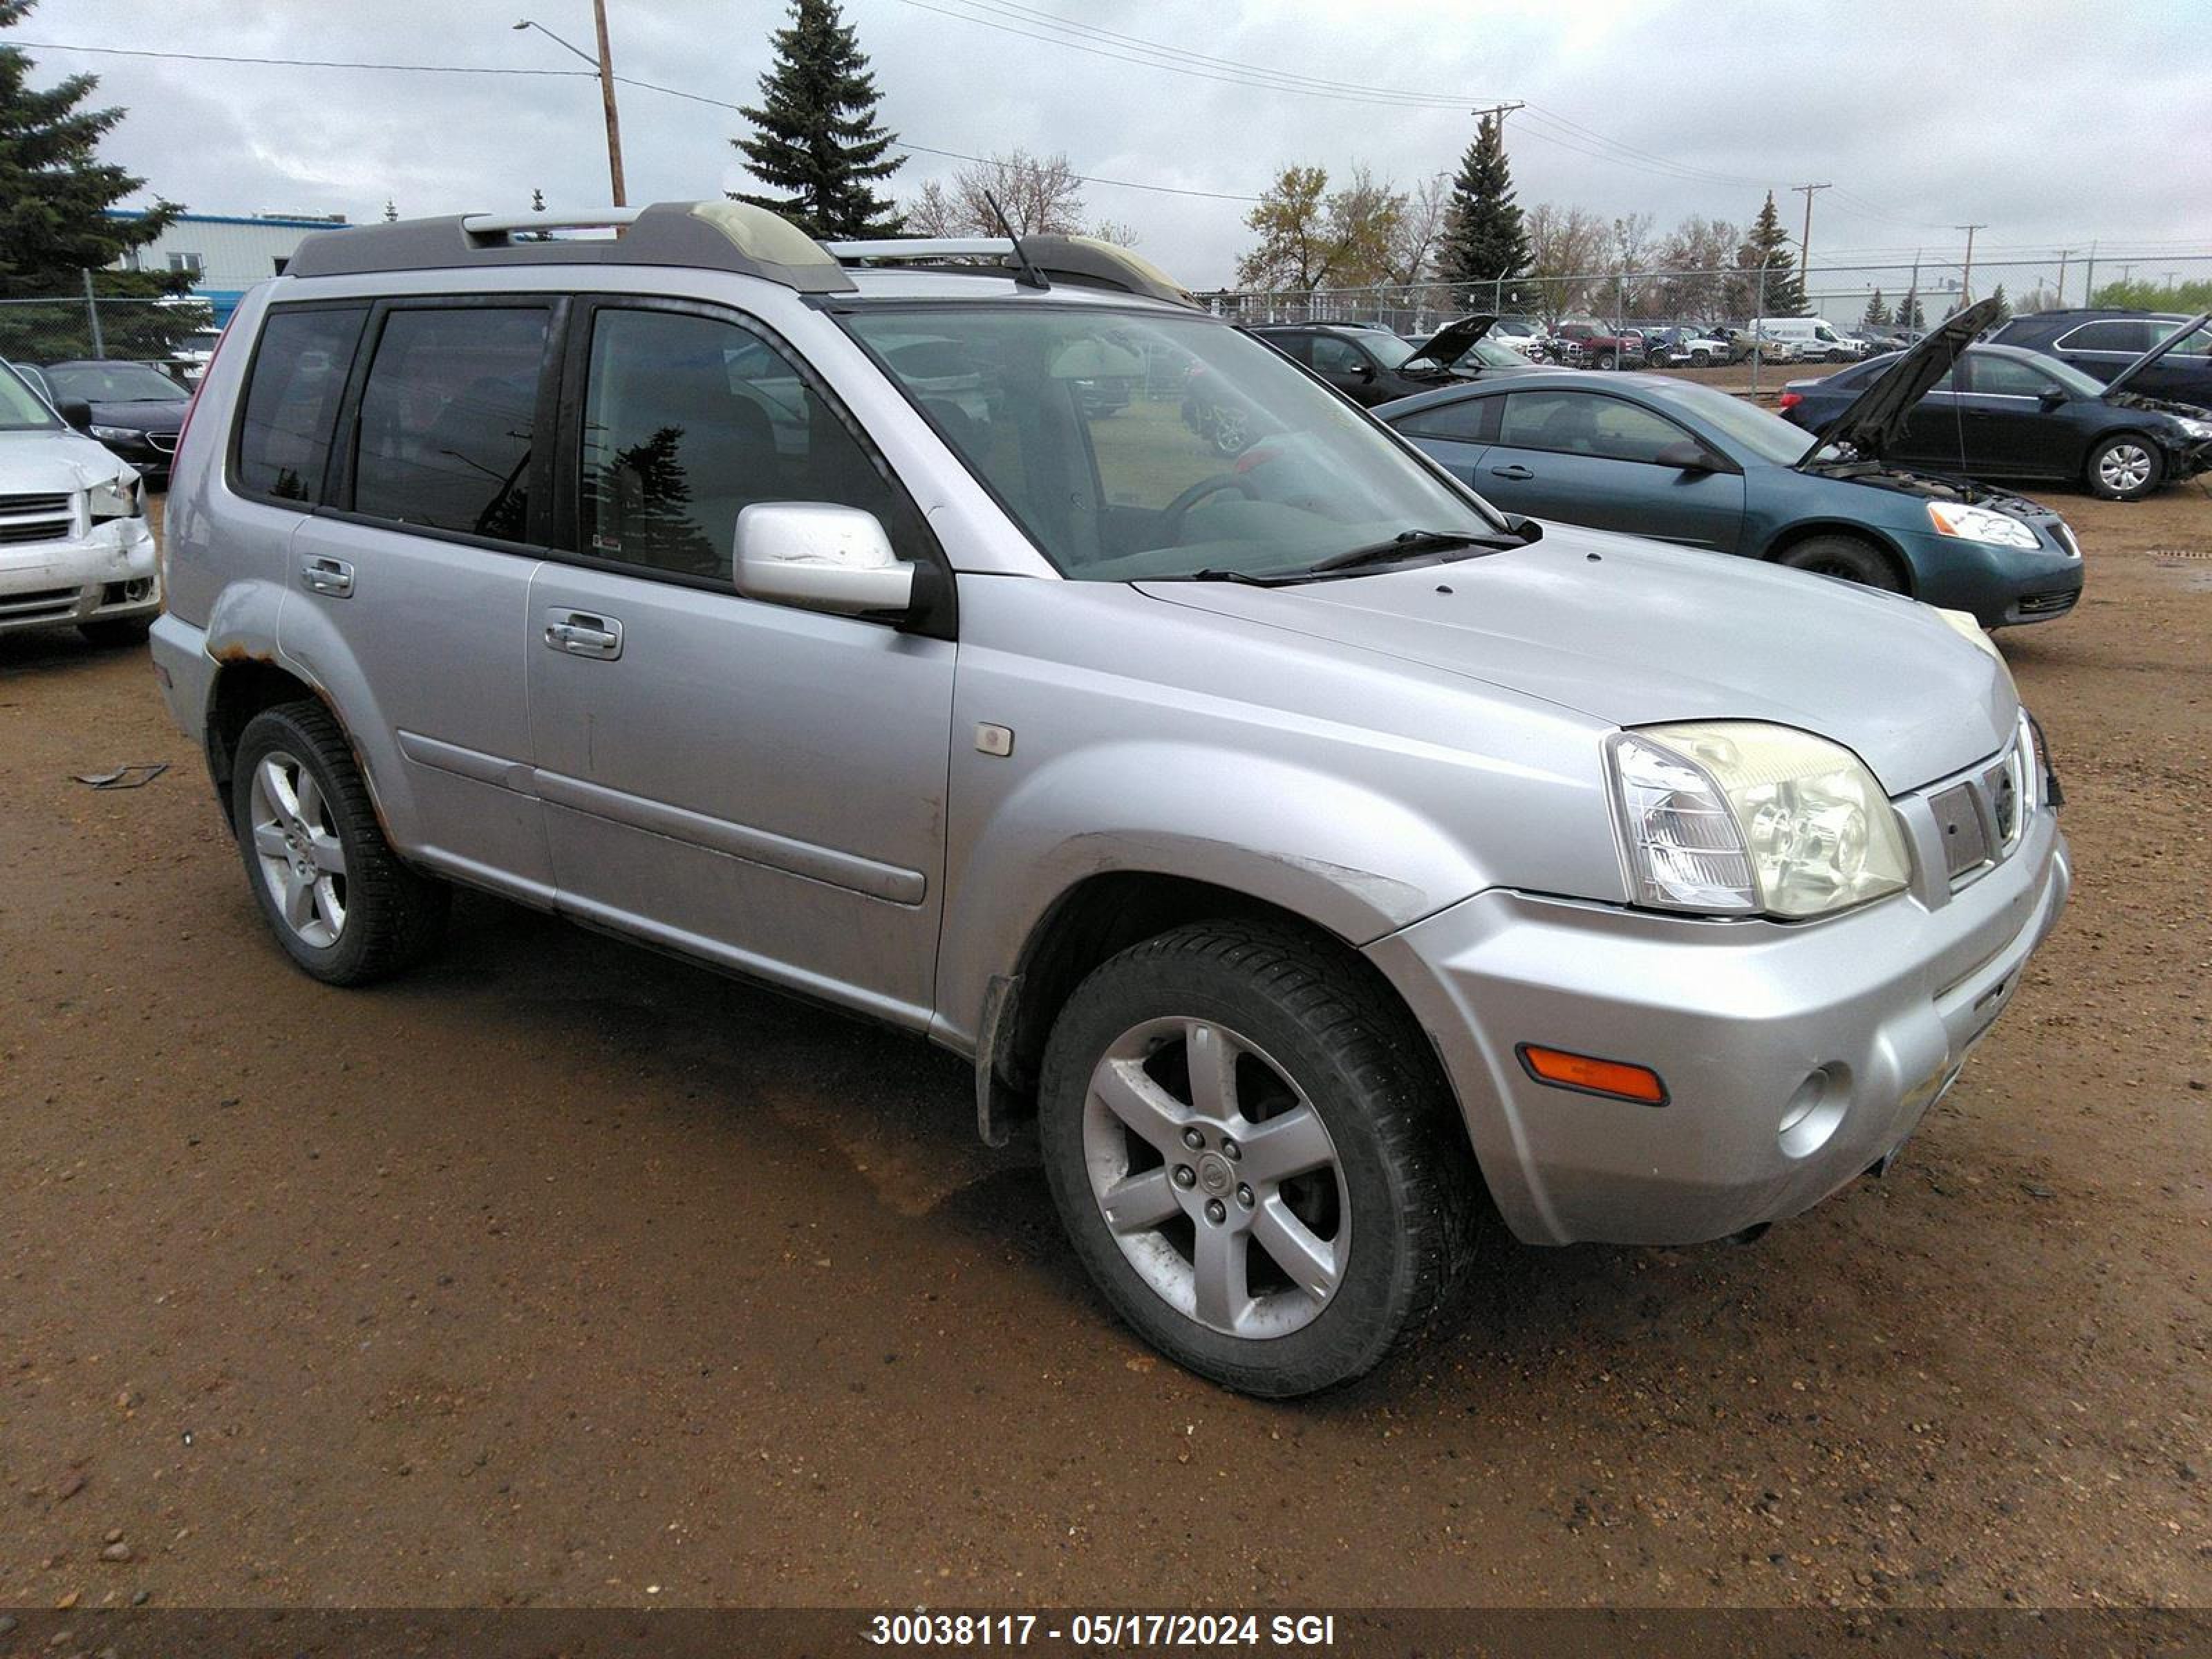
(446, 419)
(1581, 423)
(690, 419)
(2006, 377)
(299, 368)
(2113, 334)
(1332, 354)
(1299, 348)
(1468, 421)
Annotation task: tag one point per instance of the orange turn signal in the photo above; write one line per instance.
(1616, 1080)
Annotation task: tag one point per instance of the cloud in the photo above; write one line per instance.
(2015, 116)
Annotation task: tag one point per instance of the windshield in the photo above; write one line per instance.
(113, 383)
(1490, 354)
(1389, 350)
(21, 409)
(1745, 426)
(1132, 445)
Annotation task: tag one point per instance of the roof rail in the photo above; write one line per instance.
(724, 235)
(1082, 261)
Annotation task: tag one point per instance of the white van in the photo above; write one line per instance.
(1814, 337)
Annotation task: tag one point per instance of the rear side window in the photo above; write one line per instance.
(1469, 420)
(448, 419)
(2114, 334)
(1333, 356)
(1580, 423)
(291, 403)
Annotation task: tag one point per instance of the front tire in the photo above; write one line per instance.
(339, 899)
(2126, 468)
(1846, 558)
(1255, 1160)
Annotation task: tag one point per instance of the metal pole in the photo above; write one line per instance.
(1967, 274)
(607, 97)
(2063, 253)
(2090, 277)
(1758, 310)
(92, 318)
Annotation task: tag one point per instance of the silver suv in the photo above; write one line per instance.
(1315, 852)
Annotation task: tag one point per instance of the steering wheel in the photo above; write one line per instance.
(1168, 530)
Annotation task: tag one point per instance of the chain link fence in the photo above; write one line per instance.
(174, 332)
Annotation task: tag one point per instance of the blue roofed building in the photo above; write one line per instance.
(226, 254)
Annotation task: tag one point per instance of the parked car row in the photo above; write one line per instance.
(1315, 851)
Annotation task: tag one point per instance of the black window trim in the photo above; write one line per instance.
(234, 449)
(339, 478)
(937, 588)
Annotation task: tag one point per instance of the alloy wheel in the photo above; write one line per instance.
(297, 848)
(1217, 1178)
(2124, 467)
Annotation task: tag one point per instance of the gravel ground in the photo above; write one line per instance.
(561, 1272)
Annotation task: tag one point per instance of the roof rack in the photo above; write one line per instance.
(732, 236)
(1081, 261)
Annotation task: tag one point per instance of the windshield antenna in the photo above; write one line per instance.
(1028, 274)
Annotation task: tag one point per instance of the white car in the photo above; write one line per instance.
(74, 547)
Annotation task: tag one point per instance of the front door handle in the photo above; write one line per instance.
(1515, 470)
(333, 577)
(583, 633)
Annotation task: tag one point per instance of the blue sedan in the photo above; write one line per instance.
(1679, 462)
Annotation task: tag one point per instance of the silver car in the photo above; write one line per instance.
(1316, 853)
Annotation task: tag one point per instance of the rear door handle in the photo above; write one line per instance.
(333, 577)
(1516, 471)
(583, 633)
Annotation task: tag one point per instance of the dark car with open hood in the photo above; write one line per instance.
(1675, 461)
(2003, 411)
(1370, 365)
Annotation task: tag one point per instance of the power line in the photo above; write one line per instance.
(298, 63)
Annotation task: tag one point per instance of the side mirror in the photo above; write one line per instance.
(1687, 457)
(819, 556)
(1363, 372)
(2050, 397)
(75, 412)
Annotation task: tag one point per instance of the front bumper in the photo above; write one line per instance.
(106, 574)
(1855, 1025)
(2001, 587)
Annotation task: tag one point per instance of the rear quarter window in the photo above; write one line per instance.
(291, 403)
(2114, 334)
(1469, 420)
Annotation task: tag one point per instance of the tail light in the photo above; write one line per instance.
(207, 374)
(1791, 399)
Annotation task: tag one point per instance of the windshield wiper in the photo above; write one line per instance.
(1211, 575)
(1405, 542)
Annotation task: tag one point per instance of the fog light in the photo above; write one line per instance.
(1811, 1113)
(138, 588)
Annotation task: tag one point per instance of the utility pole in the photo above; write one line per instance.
(1967, 278)
(2063, 253)
(1805, 241)
(605, 63)
(1912, 294)
(2090, 277)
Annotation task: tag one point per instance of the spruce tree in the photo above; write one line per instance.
(1877, 312)
(815, 142)
(1484, 240)
(55, 190)
(2004, 305)
(1768, 244)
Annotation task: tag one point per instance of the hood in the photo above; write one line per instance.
(1449, 343)
(2156, 352)
(49, 462)
(1874, 420)
(1641, 633)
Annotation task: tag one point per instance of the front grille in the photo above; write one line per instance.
(50, 530)
(17, 506)
(1965, 841)
(14, 607)
(2048, 604)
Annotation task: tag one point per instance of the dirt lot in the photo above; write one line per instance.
(562, 1273)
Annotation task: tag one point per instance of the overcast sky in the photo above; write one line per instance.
(2050, 122)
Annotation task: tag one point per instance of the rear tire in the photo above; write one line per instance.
(1846, 558)
(2124, 468)
(336, 896)
(1274, 1285)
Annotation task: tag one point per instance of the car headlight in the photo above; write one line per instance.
(2196, 429)
(116, 435)
(119, 498)
(1979, 524)
(1736, 818)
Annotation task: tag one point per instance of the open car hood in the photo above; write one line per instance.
(1449, 343)
(2156, 352)
(1874, 420)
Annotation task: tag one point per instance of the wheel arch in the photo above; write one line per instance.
(245, 685)
(1797, 533)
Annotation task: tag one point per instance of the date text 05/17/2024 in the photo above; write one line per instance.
(1101, 1630)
